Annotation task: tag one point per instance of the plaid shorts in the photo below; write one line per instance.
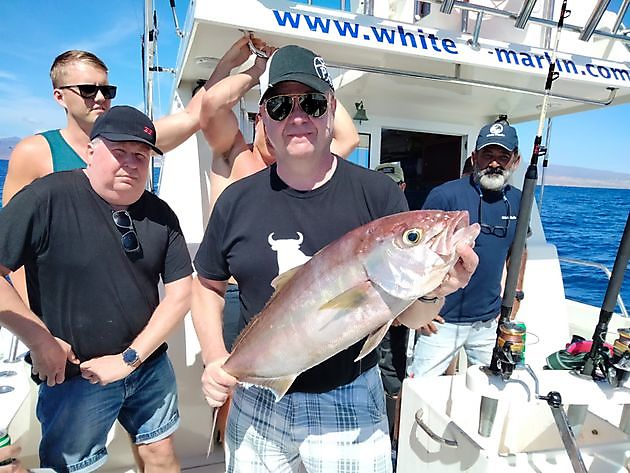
(343, 430)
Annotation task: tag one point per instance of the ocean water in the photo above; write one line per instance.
(587, 224)
(583, 223)
(3, 172)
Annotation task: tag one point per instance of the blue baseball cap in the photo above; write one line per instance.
(498, 133)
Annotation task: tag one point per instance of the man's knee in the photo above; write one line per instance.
(160, 454)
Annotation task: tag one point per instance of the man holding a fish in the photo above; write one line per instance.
(317, 399)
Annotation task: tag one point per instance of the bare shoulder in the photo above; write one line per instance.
(246, 162)
(35, 152)
(29, 160)
(223, 163)
(241, 163)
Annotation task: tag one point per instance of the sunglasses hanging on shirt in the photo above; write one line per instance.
(496, 230)
(129, 238)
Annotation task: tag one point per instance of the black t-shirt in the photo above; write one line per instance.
(261, 211)
(80, 281)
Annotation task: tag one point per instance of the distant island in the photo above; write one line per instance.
(7, 145)
(558, 175)
(555, 174)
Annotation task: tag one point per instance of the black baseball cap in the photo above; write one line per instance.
(125, 123)
(294, 63)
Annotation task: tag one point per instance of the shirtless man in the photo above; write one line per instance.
(233, 158)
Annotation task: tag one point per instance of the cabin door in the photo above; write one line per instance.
(427, 160)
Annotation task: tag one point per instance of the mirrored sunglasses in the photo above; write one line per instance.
(89, 91)
(129, 238)
(280, 107)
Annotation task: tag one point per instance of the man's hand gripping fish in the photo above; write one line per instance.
(351, 289)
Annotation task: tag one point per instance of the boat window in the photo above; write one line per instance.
(427, 159)
(336, 4)
(361, 154)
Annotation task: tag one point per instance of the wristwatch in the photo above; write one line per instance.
(519, 295)
(131, 357)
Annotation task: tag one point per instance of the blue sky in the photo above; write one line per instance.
(33, 33)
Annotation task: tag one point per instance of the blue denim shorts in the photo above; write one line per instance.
(76, 415)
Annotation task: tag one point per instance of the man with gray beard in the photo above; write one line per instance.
(468, 318)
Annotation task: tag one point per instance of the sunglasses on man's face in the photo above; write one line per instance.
(129, 239)
(89, 91)
(280, 107)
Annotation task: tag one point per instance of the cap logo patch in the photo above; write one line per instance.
(148, 131)
(496, 130)
(321, 70)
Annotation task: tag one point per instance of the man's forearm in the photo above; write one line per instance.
(521, 272)
(345, 136)
(18, 279)
(207, 316)
(421, 312)
(227, 92)
(174, 129)
(18, 318)
(221, 71)
(170, 312)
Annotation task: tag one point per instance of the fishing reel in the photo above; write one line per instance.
(619, 370)
(509, 350)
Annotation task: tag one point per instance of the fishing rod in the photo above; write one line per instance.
(599, 357)
(149, 39)
(545, 164)
(504, 358)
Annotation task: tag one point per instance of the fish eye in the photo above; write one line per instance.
(412, 236)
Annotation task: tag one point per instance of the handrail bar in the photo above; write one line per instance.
(12, 355)
(606, 271)
(544, 22)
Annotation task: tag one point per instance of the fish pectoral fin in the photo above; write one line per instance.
(349, 299)
(278, 386)
(373, 340)
(281, 279)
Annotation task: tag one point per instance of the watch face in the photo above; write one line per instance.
(130, 356)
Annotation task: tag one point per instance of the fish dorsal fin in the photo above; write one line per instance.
(349, 299)
(281, 279)
(373, 340)
(278, 386)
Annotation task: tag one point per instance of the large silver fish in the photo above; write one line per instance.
(353, 288)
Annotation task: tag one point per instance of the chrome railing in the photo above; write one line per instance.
(12, 355)
(605, 270)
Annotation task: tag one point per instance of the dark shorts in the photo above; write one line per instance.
(77, 415)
